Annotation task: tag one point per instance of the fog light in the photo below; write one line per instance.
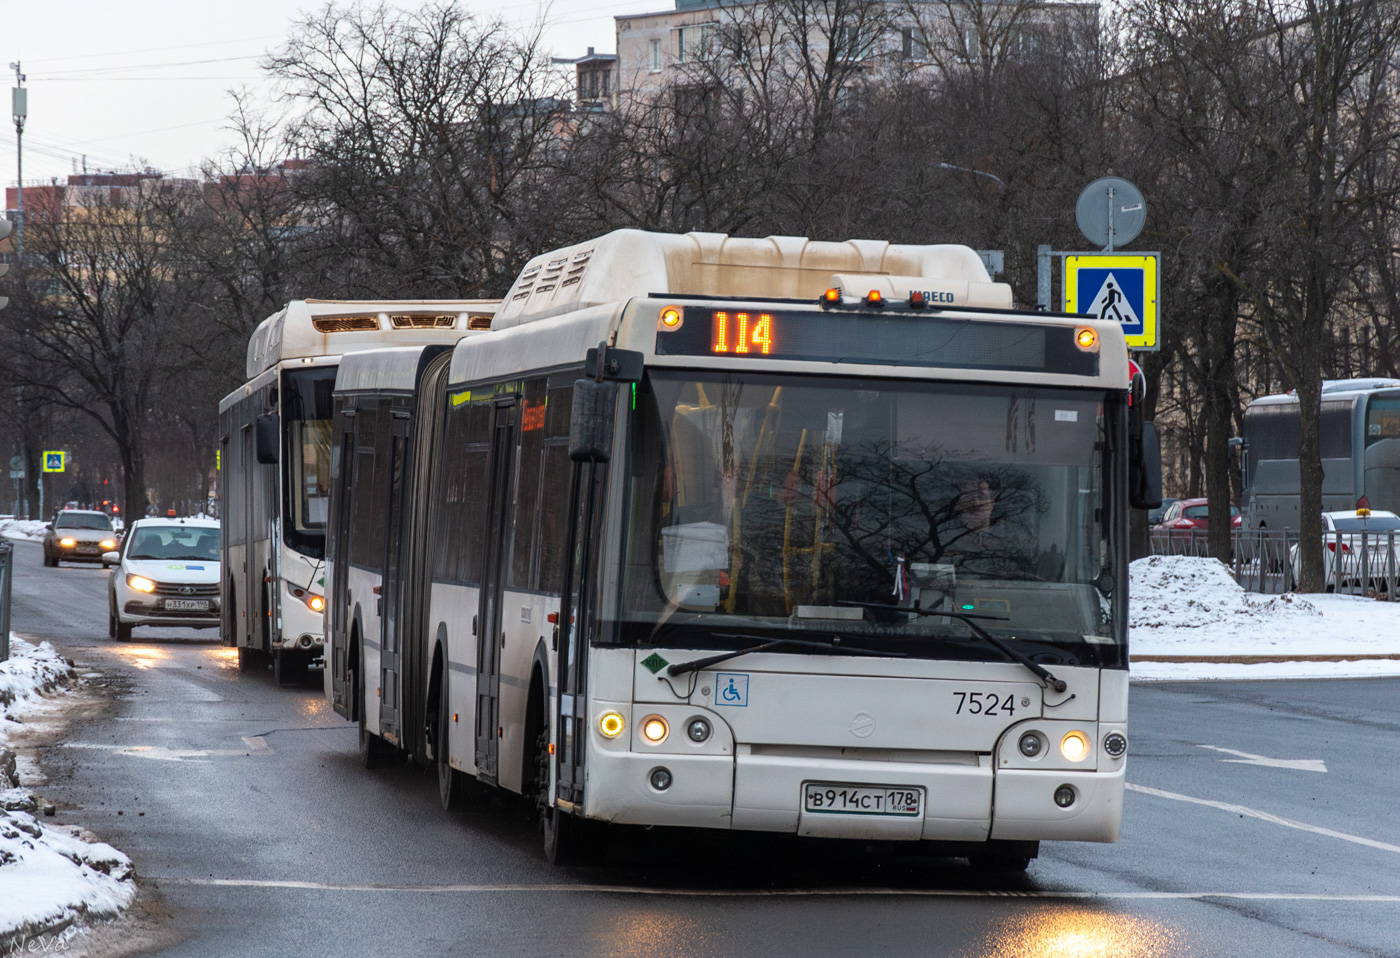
(698, 730)
(654, 729)
(611, 724)
(1030, 745)
(660, 779)
(1065, 796)
(1115, 744)
(1074, 746)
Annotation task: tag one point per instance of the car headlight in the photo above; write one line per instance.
(140, 583)
(68, 542)
(109, 544)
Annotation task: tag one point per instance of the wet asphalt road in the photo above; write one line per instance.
(261, 835)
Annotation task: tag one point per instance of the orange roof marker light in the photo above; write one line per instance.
(1087, 338)
(830, 298)
(916, 299)
(874, 299)
(672, 317)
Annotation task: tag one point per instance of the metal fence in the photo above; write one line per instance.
(7, 568)
(1267, 561)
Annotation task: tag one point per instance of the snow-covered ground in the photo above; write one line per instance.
(48, 877)
(1190, 607)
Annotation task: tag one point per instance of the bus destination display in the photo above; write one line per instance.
(887, 339)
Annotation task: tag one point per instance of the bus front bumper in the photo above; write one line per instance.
(963, 799)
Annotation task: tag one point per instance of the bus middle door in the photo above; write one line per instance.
(390, 585)
(490, 637)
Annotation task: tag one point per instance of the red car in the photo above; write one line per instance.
(1186, 514)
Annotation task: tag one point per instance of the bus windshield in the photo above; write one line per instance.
(306, 424)
(764, 503)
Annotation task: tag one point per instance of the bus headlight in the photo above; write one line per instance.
(698, 730)
(655, 729)
(1074, 746)
(140, 583)
(1030, 744)
(611, 724)
(316, 603)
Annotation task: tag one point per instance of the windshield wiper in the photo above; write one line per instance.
(1012, 653)
(693, 666)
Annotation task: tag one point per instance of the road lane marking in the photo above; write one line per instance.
(546, 888)
(1246, 758)
(161, 753)
(1266, 816)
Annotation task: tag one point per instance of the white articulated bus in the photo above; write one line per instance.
(755, 534)
(274, 452)
(1360, 434)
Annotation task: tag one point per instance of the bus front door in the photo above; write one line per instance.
(390, 584)
(343, 464)
(490, 637)
(576, 616)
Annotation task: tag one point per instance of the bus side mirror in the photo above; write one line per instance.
(265, 432)
(591, 421)
(1145, 469)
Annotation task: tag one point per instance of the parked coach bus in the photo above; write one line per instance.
(754, 534)
(1360, 434)
(274, 446)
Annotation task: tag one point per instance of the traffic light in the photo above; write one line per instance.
(5, 227)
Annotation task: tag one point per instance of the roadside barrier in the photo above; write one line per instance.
(7, 567)
(1266, 561)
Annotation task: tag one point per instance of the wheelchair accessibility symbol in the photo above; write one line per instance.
(732, 688)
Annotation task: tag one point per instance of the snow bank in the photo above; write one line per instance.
(1183, 606)
(48, 879)
(31, 530)
(1192, 592)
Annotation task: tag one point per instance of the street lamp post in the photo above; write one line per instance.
(19, 101)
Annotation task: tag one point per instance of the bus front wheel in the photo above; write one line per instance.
(565, 837)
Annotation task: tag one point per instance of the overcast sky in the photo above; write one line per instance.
(127, 81)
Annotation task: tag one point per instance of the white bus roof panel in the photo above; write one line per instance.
(393, 369)
(628, 263)
(318, 327)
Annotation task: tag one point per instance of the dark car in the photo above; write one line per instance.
(1154, 516)
(78, 535)
(1187, 514)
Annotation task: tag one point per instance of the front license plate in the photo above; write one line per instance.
(87, 550)
(892, 800)
(187, 605)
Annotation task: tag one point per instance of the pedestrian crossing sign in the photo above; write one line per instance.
(54, 460)
(1117, 286)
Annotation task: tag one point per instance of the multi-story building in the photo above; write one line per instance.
(713, 38)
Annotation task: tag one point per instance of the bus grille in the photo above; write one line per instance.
(423, 322)
(345, 324)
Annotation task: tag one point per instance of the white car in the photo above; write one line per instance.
(167, 574)
(1342, 550)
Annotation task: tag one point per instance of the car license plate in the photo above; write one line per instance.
(895, 800)
(87, 550)
(187, 605)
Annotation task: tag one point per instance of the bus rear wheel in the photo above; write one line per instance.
(450, 785)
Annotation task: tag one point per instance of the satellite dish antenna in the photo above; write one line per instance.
(1110, 212)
